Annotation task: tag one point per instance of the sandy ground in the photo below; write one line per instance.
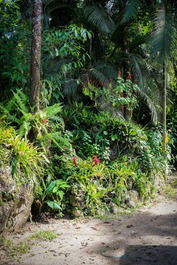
(145, 237)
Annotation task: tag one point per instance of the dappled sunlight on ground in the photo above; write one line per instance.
(146, 237)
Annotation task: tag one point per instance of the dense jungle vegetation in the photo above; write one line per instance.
(88, 93)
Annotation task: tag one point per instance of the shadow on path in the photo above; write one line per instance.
(149, 255)
(144, 239)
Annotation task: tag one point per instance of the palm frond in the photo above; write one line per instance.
(107, 69)
(152, 107)
(164, 34)
(70, 88)
(140, 68)
(131, 9)
(103, 73)
(98, 17)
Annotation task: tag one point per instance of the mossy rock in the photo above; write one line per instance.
(15, 201)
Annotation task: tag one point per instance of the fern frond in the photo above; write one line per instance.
(58, 139)
(21, 101)
(53, 110)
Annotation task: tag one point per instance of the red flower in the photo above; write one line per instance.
(44, 121)
(96, 160)
(74, 160)
(129, 76)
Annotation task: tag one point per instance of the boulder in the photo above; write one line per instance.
(115, 209)
(76, 212)
(15, 201)
(132, 198)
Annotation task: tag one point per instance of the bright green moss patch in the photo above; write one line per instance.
(44, 235)
(16, 250)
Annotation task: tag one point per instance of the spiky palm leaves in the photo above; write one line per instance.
(163, 40)
(110, 21)
(127, 52)
(164, 43)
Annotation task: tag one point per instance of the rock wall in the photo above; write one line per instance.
(15, 201)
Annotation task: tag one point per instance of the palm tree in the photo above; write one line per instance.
(164, 41)
(111, 20)
(36, 54)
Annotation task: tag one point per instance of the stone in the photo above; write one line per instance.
(101, 212)
(75, 201)
(132, 198)
(15, 201)
(114, 208)
(77, 213)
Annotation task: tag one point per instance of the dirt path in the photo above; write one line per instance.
(147, 237)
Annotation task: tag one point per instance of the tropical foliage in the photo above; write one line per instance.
(87, 118)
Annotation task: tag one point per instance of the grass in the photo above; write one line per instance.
(44, 235)
(15, 250)
(170, 190)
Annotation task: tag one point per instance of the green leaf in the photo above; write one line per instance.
(113, 137)
(60, 193)
(50, 187)
(53, 205)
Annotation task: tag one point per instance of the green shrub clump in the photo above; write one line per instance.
(25, 160)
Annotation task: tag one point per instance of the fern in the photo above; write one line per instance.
(52, 111)
(20, 100)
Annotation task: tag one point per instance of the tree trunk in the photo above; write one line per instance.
(36, 55)
(165, 115)
(164, 108)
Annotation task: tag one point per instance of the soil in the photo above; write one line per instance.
(147, 236)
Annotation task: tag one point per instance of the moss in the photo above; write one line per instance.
(2, 203)
(15, 250)
(44, 235)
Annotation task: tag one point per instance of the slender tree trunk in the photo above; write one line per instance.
(165, 115)
(36, 54)
(164, 108)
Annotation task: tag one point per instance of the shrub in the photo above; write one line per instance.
(94, 185)
(25, 159)
(111, 138)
